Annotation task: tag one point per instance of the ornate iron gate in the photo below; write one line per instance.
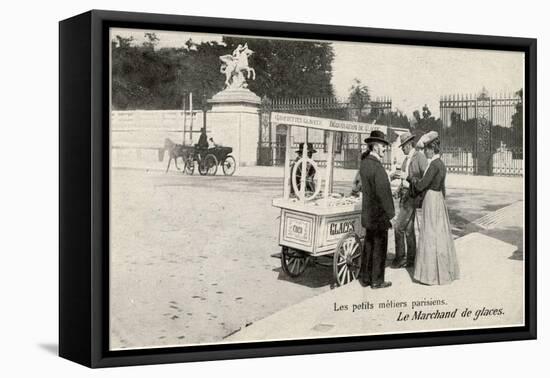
(482, 135)
(271, 145)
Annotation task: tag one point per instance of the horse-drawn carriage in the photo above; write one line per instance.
(208, 160)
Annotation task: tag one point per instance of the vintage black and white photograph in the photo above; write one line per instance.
(268, 189)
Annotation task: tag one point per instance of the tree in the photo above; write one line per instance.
(460, 133)
(145, 77)
(395, 119)
(517, 127)
(123, 43)
(517, 121)
(359, 95)
(288, 68)
(151, 40)
(426, 113)
(426, 122)
(359, 98)
(148, 78)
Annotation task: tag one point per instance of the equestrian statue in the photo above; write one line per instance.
(233, 66)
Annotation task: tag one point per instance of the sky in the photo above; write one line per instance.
(415, 75)
(410, 75)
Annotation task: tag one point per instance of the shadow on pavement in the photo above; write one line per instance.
(512, 235)
(461, 226)
(494, 207)
(315, 276)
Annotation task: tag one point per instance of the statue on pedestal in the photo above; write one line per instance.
(234, 65)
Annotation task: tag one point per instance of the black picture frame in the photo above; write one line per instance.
(84, 188)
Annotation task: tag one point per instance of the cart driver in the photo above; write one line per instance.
(203, 139)
(202, 145)
(310, 184)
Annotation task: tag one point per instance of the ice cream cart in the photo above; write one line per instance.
(318, 222)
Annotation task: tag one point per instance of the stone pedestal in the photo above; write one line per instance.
(234, 121)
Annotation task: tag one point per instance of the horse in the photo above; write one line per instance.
(242, 62)
(234, 64)
(175, 151)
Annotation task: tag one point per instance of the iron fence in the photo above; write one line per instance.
(272, 143)
(482, 135)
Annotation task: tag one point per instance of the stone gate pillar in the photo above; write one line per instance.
(234, 121)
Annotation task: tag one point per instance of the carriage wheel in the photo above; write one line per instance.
(208, 165)
(228, 165)
(189, 166)
(293, 261)
(347, 259)
(211, 163)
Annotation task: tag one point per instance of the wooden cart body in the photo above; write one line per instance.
(315, 229)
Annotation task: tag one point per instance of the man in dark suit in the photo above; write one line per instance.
(414, 165)
(377, 211)
(203, 139)
(202, 146)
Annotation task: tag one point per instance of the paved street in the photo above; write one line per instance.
(494, 300)
(194, 259)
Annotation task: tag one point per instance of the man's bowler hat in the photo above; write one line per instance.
(377, 136)
(309, 148)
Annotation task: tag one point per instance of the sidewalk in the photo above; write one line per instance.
(453, 181)
(491, 287)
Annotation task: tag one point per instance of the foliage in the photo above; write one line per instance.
(425, 122)
(146, 77)
(462, 133)
(517, 121)
(391, 118)
(368, 111)
(359, 95)
(288, 69)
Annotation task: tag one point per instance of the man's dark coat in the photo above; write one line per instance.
(375, 216)
(378, 206)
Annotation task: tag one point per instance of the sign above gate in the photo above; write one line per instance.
(325, 123)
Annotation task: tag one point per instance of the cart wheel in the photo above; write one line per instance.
(208, 166)
(189, 166)
(347, 259)
(228, 165)
(293, 261)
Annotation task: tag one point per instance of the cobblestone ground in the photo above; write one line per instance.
(194, 259)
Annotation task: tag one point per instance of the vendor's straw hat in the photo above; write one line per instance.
(427, 138)
(405, 138)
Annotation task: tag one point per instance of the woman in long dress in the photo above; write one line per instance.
(436, 262)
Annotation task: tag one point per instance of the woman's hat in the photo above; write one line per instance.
(377, 136)
(309, 148)
(405, 138)
(427, 138)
